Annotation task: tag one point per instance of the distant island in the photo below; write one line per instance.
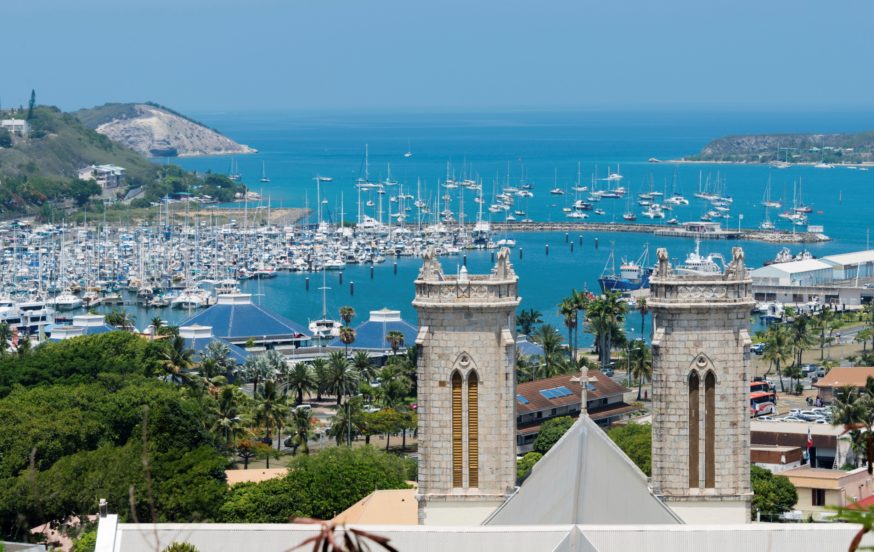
(826, 149)
(157, 131)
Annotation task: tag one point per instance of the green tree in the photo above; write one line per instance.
(855, 411)
(772, 494)
(525, 464)
(318, 485)
(635, 440)
(5, 138)
(227, 418)
(643, 309)
(641, 364)
(527, 321)
(256, 369)
(180, 547)
(177, 360)
(550, 432)
(364, 366)
(31, 105)
(85, 543)
(347, 336)
(395, 340)
(347, 313)
(568, 310)
(605, 315)
(553, 356)
(301, 425)
(340, 377)
(301, 380)
(778, 349)
(271, 410)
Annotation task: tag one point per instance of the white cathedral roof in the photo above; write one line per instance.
(584, 479)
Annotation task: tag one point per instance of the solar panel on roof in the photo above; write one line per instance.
(562, 391)
(590, 387)
(521, 399)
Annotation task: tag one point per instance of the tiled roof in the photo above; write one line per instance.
(244, 320)
(843, 375)
(600, 386)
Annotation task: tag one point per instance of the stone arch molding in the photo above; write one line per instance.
(702, 364)
(465, 365)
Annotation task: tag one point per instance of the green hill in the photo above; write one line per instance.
(42, 168)
(793, 148)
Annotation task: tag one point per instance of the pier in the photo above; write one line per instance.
(662, 230)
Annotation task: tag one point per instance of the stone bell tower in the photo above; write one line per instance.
(701, 424)
(466, 391)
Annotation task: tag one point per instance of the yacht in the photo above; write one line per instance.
(699, 265)
(190, 298)
(66, 301)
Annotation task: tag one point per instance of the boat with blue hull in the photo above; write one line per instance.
(632, 275)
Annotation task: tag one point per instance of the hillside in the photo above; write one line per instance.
(794, 148)
(154, 130)
(59, 145)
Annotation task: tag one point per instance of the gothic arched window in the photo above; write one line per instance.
(710, 430)
(457, 432)
(472, 430)
(694, 384)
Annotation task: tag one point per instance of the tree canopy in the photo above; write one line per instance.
(550, 432)
(635, 440)
(319, 485)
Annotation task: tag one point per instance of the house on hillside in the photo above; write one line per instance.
(17, 127)
(109, 177)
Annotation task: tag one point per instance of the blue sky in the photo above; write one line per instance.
(209, 55)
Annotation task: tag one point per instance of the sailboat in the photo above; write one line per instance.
(766, 200)
(264, 173)
(409, 152)
(324, 328)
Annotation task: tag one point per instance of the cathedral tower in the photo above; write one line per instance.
(701, 425)
(466, 391)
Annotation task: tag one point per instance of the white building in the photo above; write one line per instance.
(107, 176)
(15, 126)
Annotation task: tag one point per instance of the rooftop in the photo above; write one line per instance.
(235, 317)
(854, 258)
(372, 334)
(841, 376)
(386, 507)
(563, 390)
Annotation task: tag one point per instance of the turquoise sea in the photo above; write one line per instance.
(544, 149)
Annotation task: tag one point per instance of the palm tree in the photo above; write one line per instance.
(364, 366)
(347, 336)
(256, 369)
(301, 379)
(279, 367)
(854, 409)
(177, 360)
(550, 341)
(568, 310)
(228, 416)
(120, 319)
(800, 336)
(395, 340)
(220, 353)
(347, 313)
(340, 376)
(301, 424)
(641, 364)
(270, 412)
(348, 422)
(644, 309)
(823, 320)
(320, 371)
(778, 349)
(527, 320)
(605, 315)
(157, 326)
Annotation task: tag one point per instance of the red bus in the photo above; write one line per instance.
(761, 387)
(763, 403)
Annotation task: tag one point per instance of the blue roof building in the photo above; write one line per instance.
(371, 335)
(83, 324)
(197, 338)
(528, 348)
(236, 319)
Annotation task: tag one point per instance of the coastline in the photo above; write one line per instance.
(682, 161)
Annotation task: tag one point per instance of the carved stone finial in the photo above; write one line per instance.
(431, 269)
(664, 268)
(503, 270)
(735, 268)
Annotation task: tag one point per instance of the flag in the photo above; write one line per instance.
(809, 440)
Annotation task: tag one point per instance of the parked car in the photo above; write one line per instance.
(809, 369)
(608, 372)
(757, 348)
(820, 371)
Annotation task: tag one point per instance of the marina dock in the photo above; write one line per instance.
(770, 236)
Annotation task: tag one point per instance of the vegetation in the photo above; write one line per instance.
(772, 494)
(525, 464)
(180, 547)
(794, 148)
(635, 440)
(317, 486)
(550, 432)
(854, 409)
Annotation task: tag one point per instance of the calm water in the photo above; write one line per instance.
(545, 150)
